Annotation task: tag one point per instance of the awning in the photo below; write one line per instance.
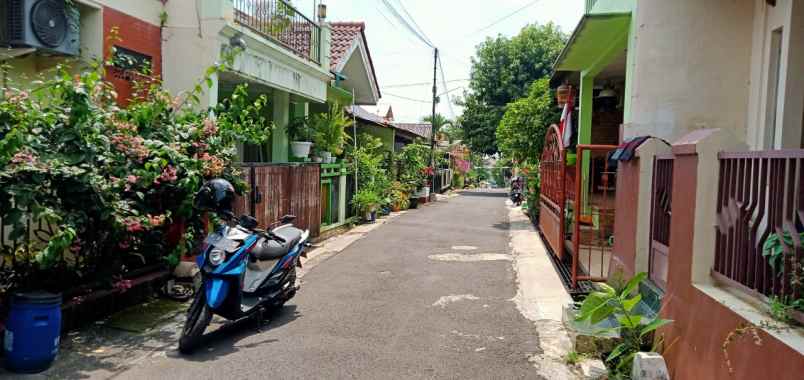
(593, 38)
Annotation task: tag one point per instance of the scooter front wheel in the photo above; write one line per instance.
(198, 317)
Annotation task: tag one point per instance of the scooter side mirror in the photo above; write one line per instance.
(248, 222)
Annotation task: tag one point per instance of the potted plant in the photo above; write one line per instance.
(398, 195)
(301, 136)
(366, 202)
(329, 132)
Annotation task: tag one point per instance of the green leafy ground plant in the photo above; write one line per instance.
(634, 329)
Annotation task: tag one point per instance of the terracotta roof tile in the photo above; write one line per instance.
(343, 36)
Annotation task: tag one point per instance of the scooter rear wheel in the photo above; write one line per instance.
(198, 317)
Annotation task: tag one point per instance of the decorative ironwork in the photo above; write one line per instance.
(553, 173)
(760, 194)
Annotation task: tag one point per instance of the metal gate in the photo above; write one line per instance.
(552, 201)
(593, 213)
(661, 211)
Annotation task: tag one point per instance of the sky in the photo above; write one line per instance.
(454, 26)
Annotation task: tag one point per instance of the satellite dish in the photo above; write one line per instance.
(49, 22)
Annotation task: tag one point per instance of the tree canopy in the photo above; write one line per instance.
(438, 122)
(520, 135)
(502, 72)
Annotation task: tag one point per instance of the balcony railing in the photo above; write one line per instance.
(281, 22)
(760, 195)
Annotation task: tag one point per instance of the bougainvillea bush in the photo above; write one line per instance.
(102, 187)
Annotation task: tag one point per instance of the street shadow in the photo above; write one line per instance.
(224, 340)
(484, 193)
(101, 351)
(505, 226)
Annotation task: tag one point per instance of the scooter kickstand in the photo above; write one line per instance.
(260, 314)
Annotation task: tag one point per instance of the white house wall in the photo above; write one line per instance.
(189, 49)
(692, 67)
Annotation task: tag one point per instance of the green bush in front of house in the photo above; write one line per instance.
(103, 186)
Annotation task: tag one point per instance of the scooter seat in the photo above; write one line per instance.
(270, 249)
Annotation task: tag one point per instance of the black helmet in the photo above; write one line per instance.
(216, 195)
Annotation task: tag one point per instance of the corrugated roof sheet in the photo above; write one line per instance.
(419, 129)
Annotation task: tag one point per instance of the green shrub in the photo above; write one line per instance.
(414, 160)
(329, 129)
(106, 182)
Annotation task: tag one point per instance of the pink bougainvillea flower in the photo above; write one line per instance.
(213, 166)
(23, 158)
(16, 97)
(132, 179)
(133, 225)
(123, 285)
(200, 146)
(76, 246)
(132, 146)
(210, 127)
(123, 126)
(168, 175)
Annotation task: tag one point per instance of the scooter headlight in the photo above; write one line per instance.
(216, 256)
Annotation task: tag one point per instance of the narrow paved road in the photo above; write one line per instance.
(411, 300)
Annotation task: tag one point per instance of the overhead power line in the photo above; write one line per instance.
(453, 90)
(420, 100)
(401, 4)
(407, 98)
(526, 6)
(405, 23)
(420, 83)
(444, 83)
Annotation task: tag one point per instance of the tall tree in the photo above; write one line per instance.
(502, 71)
(520, 135)
(439, 122)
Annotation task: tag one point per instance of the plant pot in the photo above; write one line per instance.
(300, 149)
(317, 159)
(325, 156)
(562, 95)
(414, 203)
(798, 316)
(333, 159)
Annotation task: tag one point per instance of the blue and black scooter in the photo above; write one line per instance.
(245, 271)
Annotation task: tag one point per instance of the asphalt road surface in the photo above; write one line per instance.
(425, 296)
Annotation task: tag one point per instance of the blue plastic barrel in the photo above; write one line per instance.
(32, 332)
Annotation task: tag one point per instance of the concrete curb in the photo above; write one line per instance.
(540, 296)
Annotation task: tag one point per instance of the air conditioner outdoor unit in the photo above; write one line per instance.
(51, 26)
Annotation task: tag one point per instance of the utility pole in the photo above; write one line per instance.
(433, 120)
